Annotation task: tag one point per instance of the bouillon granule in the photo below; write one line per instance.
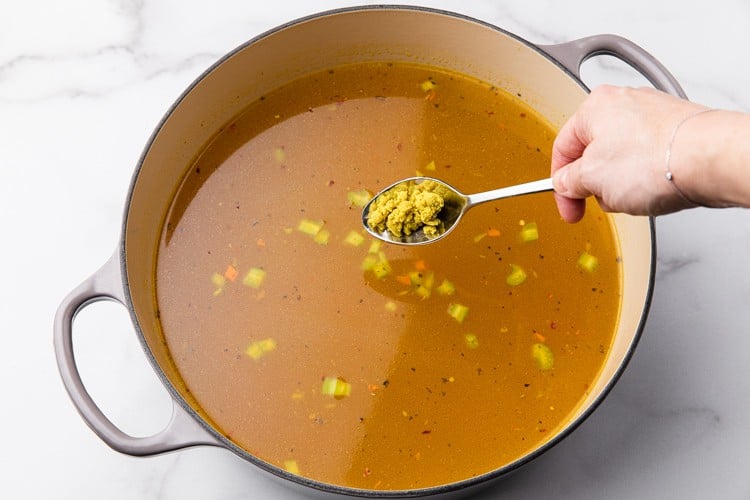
(351, 362)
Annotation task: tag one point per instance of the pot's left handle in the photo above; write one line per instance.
(572, 54)
(182, 430)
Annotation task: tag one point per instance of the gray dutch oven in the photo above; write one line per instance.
(547, 76)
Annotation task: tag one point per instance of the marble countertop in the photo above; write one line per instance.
(82, 85)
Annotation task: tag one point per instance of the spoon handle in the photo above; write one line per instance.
(507, 192)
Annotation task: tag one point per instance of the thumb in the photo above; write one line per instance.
(570, 204)
(568, 183)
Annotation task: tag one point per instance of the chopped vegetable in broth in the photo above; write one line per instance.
(333, 356)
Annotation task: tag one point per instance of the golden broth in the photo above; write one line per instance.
(272, 297)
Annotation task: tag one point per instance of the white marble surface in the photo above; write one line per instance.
(82, 85)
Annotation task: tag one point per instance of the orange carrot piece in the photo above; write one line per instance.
(494, 232)
(539, 337)
(403, 279)
(420, 265)
(231, 273)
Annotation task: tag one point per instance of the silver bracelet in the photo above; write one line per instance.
(668, 173)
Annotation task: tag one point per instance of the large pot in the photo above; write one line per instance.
(546, 76)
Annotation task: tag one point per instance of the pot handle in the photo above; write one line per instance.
(572, 54)
(182, 430)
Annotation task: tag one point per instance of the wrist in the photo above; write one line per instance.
(709, 155)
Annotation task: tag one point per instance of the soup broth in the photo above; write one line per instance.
(367, 365)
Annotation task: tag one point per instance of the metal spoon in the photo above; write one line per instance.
(453, 209)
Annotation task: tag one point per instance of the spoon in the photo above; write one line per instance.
(455, 205)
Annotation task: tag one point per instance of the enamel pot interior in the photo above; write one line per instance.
(331, 39)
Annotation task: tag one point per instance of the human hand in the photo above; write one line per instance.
(614, 148)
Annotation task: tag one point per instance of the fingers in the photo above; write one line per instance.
(567, 150)
(571, 210)
(568, 181)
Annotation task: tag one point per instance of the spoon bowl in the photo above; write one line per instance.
(454, 207)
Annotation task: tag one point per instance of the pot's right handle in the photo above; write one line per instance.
(182, 430)
(572, 54)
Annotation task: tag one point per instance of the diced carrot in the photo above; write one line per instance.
(403, 279)
(231, 273)
(539, 337)
(494, 232)
(420, 265)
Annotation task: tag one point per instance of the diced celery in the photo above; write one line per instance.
(336, 387)
(588, 262)
(423, 278)
(291, 466)
(381, 269)
(359, 198)
(369, 262)
(391, 306)
(529, 232)
(458, 311)
(311, 227)
(259, 348)
(354, 238)
(427, 85)
(329, 386)
(429, 280)
(472, 342)
(255, 351)
(375, 246)
(423, 292)
(517, 275)
(430, 166)
(267, 345)
(254, 277)
(322, 237)
(219, 280)
(543, 356)
(446, 288)
(422, 282)
(279, 155)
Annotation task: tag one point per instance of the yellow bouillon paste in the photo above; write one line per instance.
(408, 207)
